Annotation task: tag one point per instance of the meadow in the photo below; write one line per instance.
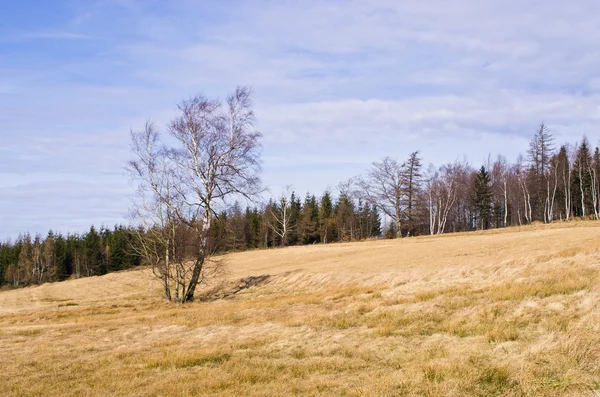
(513, 312)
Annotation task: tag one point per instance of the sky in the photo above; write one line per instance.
(338, 85)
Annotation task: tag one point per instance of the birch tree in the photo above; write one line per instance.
(442, 188)
(500, 174)
(211, 156)
(594, 170)
(281, 216)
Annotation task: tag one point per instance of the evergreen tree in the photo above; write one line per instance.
(48, 259)
(412, 187)
(327, 221)
(252, 228)
(295, 218)
(93, 253)
(345, 217)
(482, 198)
(582, 180)
(62, 258)
(309, 224)
(235, 230)
(374, 223)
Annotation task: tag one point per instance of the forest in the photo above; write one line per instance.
(393, 198)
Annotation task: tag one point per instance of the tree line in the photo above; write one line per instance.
(288, 220)
(55, 257)
(36, 260)
(545, 185)
(182, 216)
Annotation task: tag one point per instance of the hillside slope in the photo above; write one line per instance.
(509, 312)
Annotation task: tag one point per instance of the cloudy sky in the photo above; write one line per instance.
(338, 84)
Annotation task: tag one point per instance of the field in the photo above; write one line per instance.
(513, 313)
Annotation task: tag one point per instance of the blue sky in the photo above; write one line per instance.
(338, 84)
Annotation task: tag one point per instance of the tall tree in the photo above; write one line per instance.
(309, 225)
(541, 147)
(594, 170)
(327, 221)
(582, 180)
(412, 187)
(564, 170)
(482, 197)
(281, 213)
(384, 187)
(214, 155)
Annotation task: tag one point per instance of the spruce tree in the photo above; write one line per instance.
(412, 187)
(328, 224)
(582, 180)
(62, 258)
(482, 198)
(374, 222)
(94, 253)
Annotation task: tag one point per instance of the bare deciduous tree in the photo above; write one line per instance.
(213, 155)
(442, 189)
(383, 187)
(281, 215)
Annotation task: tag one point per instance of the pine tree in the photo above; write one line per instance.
(252, 228)
(309, 224)
(48, 259)
(295, 217)
(482, 198)
(328, 224)
(412, 187)
(346, 219)
(93, 254)
(582, 180)
(374, 223)
(62, 258)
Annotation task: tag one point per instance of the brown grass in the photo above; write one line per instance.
(511, 313)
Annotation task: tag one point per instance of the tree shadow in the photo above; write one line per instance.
(228, 290)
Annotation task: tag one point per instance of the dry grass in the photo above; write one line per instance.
(510, 313)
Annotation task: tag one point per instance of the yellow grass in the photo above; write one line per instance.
(512, 313)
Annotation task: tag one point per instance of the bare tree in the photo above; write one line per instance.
(552, 187)
(443, 186)
(541, 147)
(540, 150)
(155, 210)
(521, 171)
(500, 174)
(281, 216)
(213, 156)
(383, 187)
(594, 170)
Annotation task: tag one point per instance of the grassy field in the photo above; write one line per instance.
(513, 313)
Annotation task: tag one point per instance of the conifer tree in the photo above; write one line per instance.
(482, 198)
(581, 183)
(309, 228)
(344, 212)
(62, 258)
(412, 186)
(328, 224)
(374, 222)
